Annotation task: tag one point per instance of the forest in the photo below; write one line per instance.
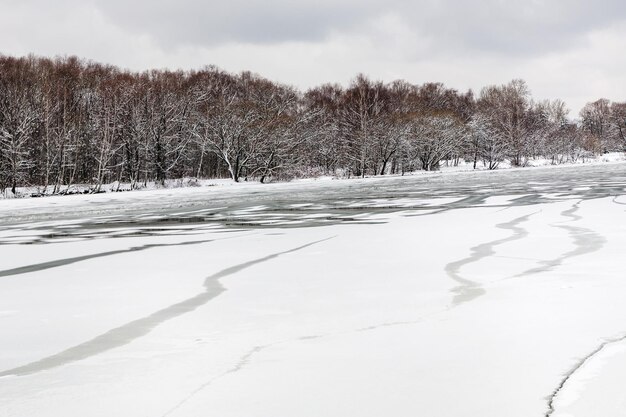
(66, 121)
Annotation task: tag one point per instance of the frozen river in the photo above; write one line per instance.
(468, 294)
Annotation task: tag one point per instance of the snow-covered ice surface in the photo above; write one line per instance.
(469, 294)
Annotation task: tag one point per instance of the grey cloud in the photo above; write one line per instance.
(192, 22)
(517, 28)
(498, 27)
(491, 26)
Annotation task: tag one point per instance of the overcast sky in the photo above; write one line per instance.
(569, 49)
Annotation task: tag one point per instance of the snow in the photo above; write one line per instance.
(423, 295)
(446, 168)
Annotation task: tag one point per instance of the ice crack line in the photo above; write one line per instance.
(243, 361)
(468, 289)
(135, 329)
(246, 359)
(585, 241)
(618, 202)
(575, 369)
(68, 261)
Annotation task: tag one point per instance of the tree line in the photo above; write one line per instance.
(66, 121)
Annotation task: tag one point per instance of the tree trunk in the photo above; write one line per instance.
(384, 167)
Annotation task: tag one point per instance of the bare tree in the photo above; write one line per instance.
(327, 147)
(596, 120)
(434, 137)
(487, 145)
(238, 116)
(618, 123)
(363, 118)
(18, 120)
(395, 125)
(507, 108)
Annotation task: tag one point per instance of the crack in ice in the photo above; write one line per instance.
(241, 363)
(135, 329)
(68, 261)
(576, 368)
(468, 290)
(585, 241)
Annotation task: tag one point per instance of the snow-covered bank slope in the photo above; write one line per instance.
(435, 298)
(446, 168)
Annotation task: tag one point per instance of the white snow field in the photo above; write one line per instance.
(470, 294)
